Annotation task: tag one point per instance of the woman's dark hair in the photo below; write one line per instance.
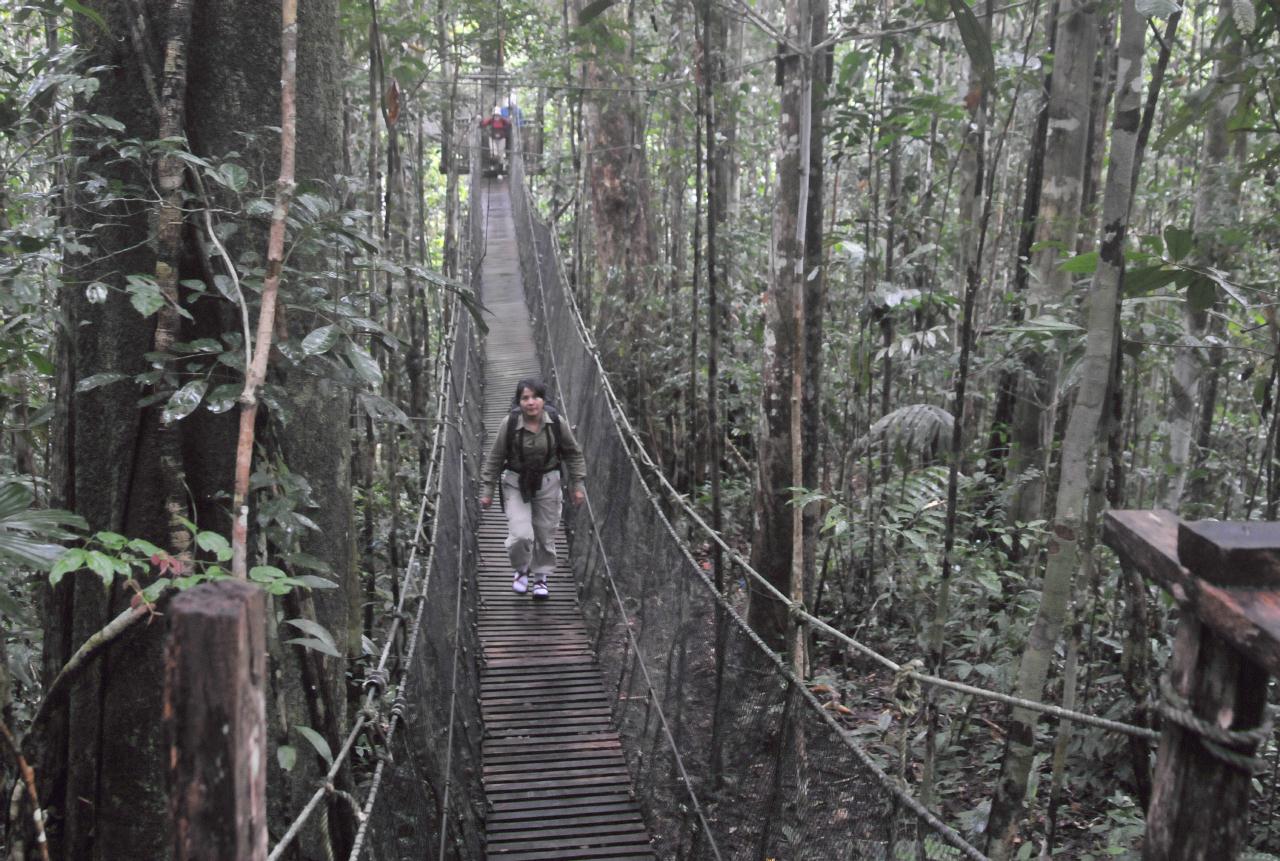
(534, 385)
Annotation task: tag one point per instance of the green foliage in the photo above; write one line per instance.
(28, 536)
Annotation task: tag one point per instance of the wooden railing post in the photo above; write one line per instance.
(1226, 578)
(215, 722)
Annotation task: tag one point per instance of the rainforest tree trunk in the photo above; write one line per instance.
(1079, 442)
(101, 761)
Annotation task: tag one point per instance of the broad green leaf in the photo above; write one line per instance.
(101, 564)
(226, 287)
(93, 382)
(71, 560)
(40, 363)
(287, 756)
(141, 545)
(184, 401)
(266, 574)
(223, 397)
(1081, 264)
(317, 741)
(144, 294)
(364, 364)
(152, 593)
(1178, 241)
(201, 345)
(1141, 281)
(320, 341)
(1156, 8)
(306, 560)
(318, 631)
(111, 540)
(231, 175)
(214, 543)
(1202, 293)
(380, 409)
(315, 645)
(311, 581)
(104, 122)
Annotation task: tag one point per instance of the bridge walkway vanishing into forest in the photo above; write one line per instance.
(635, 714)
(555, 778)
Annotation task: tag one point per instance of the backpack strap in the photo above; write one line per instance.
(552, 422)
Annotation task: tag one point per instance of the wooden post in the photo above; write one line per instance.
(215, 721)
(1226, 577)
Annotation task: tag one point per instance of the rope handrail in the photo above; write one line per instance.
(357, 845)
(796, 609)
(949, 834)
(413, 584)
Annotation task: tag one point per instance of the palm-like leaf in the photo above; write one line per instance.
(919, 428)
(27, 536)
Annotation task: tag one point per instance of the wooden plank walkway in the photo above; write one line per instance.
(554, 773)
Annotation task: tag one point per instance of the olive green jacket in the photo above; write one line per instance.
(533, 448)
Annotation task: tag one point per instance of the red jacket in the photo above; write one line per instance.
(497, 125)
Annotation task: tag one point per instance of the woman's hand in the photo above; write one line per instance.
(486, 501)
(579, 496)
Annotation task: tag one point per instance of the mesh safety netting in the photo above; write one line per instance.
(731, 755)
(431, 800)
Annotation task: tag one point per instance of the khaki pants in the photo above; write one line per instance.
(498, 150)
(531, 526)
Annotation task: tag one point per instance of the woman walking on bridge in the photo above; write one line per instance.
(528, 449)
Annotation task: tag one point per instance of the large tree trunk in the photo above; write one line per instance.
(1057, 231)
(1216, 207)
(618, 173)
(1078, 444)
(787, 443)
(102, 762)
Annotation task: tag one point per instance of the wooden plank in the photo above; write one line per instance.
(1247, 619)
(532, 758)
(614, 853)
(1241, 555)
(557, 781)
(586, 810)
(579, 838)
(551, 819)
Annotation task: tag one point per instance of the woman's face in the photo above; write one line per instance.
(530, 403)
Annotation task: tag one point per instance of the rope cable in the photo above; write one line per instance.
(457, 651)
(411, 572)
(446, 393)
(797, 610)
(949, 834)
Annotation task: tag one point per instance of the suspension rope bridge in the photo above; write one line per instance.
(634, 714)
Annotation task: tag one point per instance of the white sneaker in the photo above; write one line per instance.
(520, 585)
(540, 590)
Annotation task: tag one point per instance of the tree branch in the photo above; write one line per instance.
(256, 373)
(88, 650)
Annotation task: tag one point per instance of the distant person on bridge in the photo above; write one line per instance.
(499, 131)
(531, 444)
